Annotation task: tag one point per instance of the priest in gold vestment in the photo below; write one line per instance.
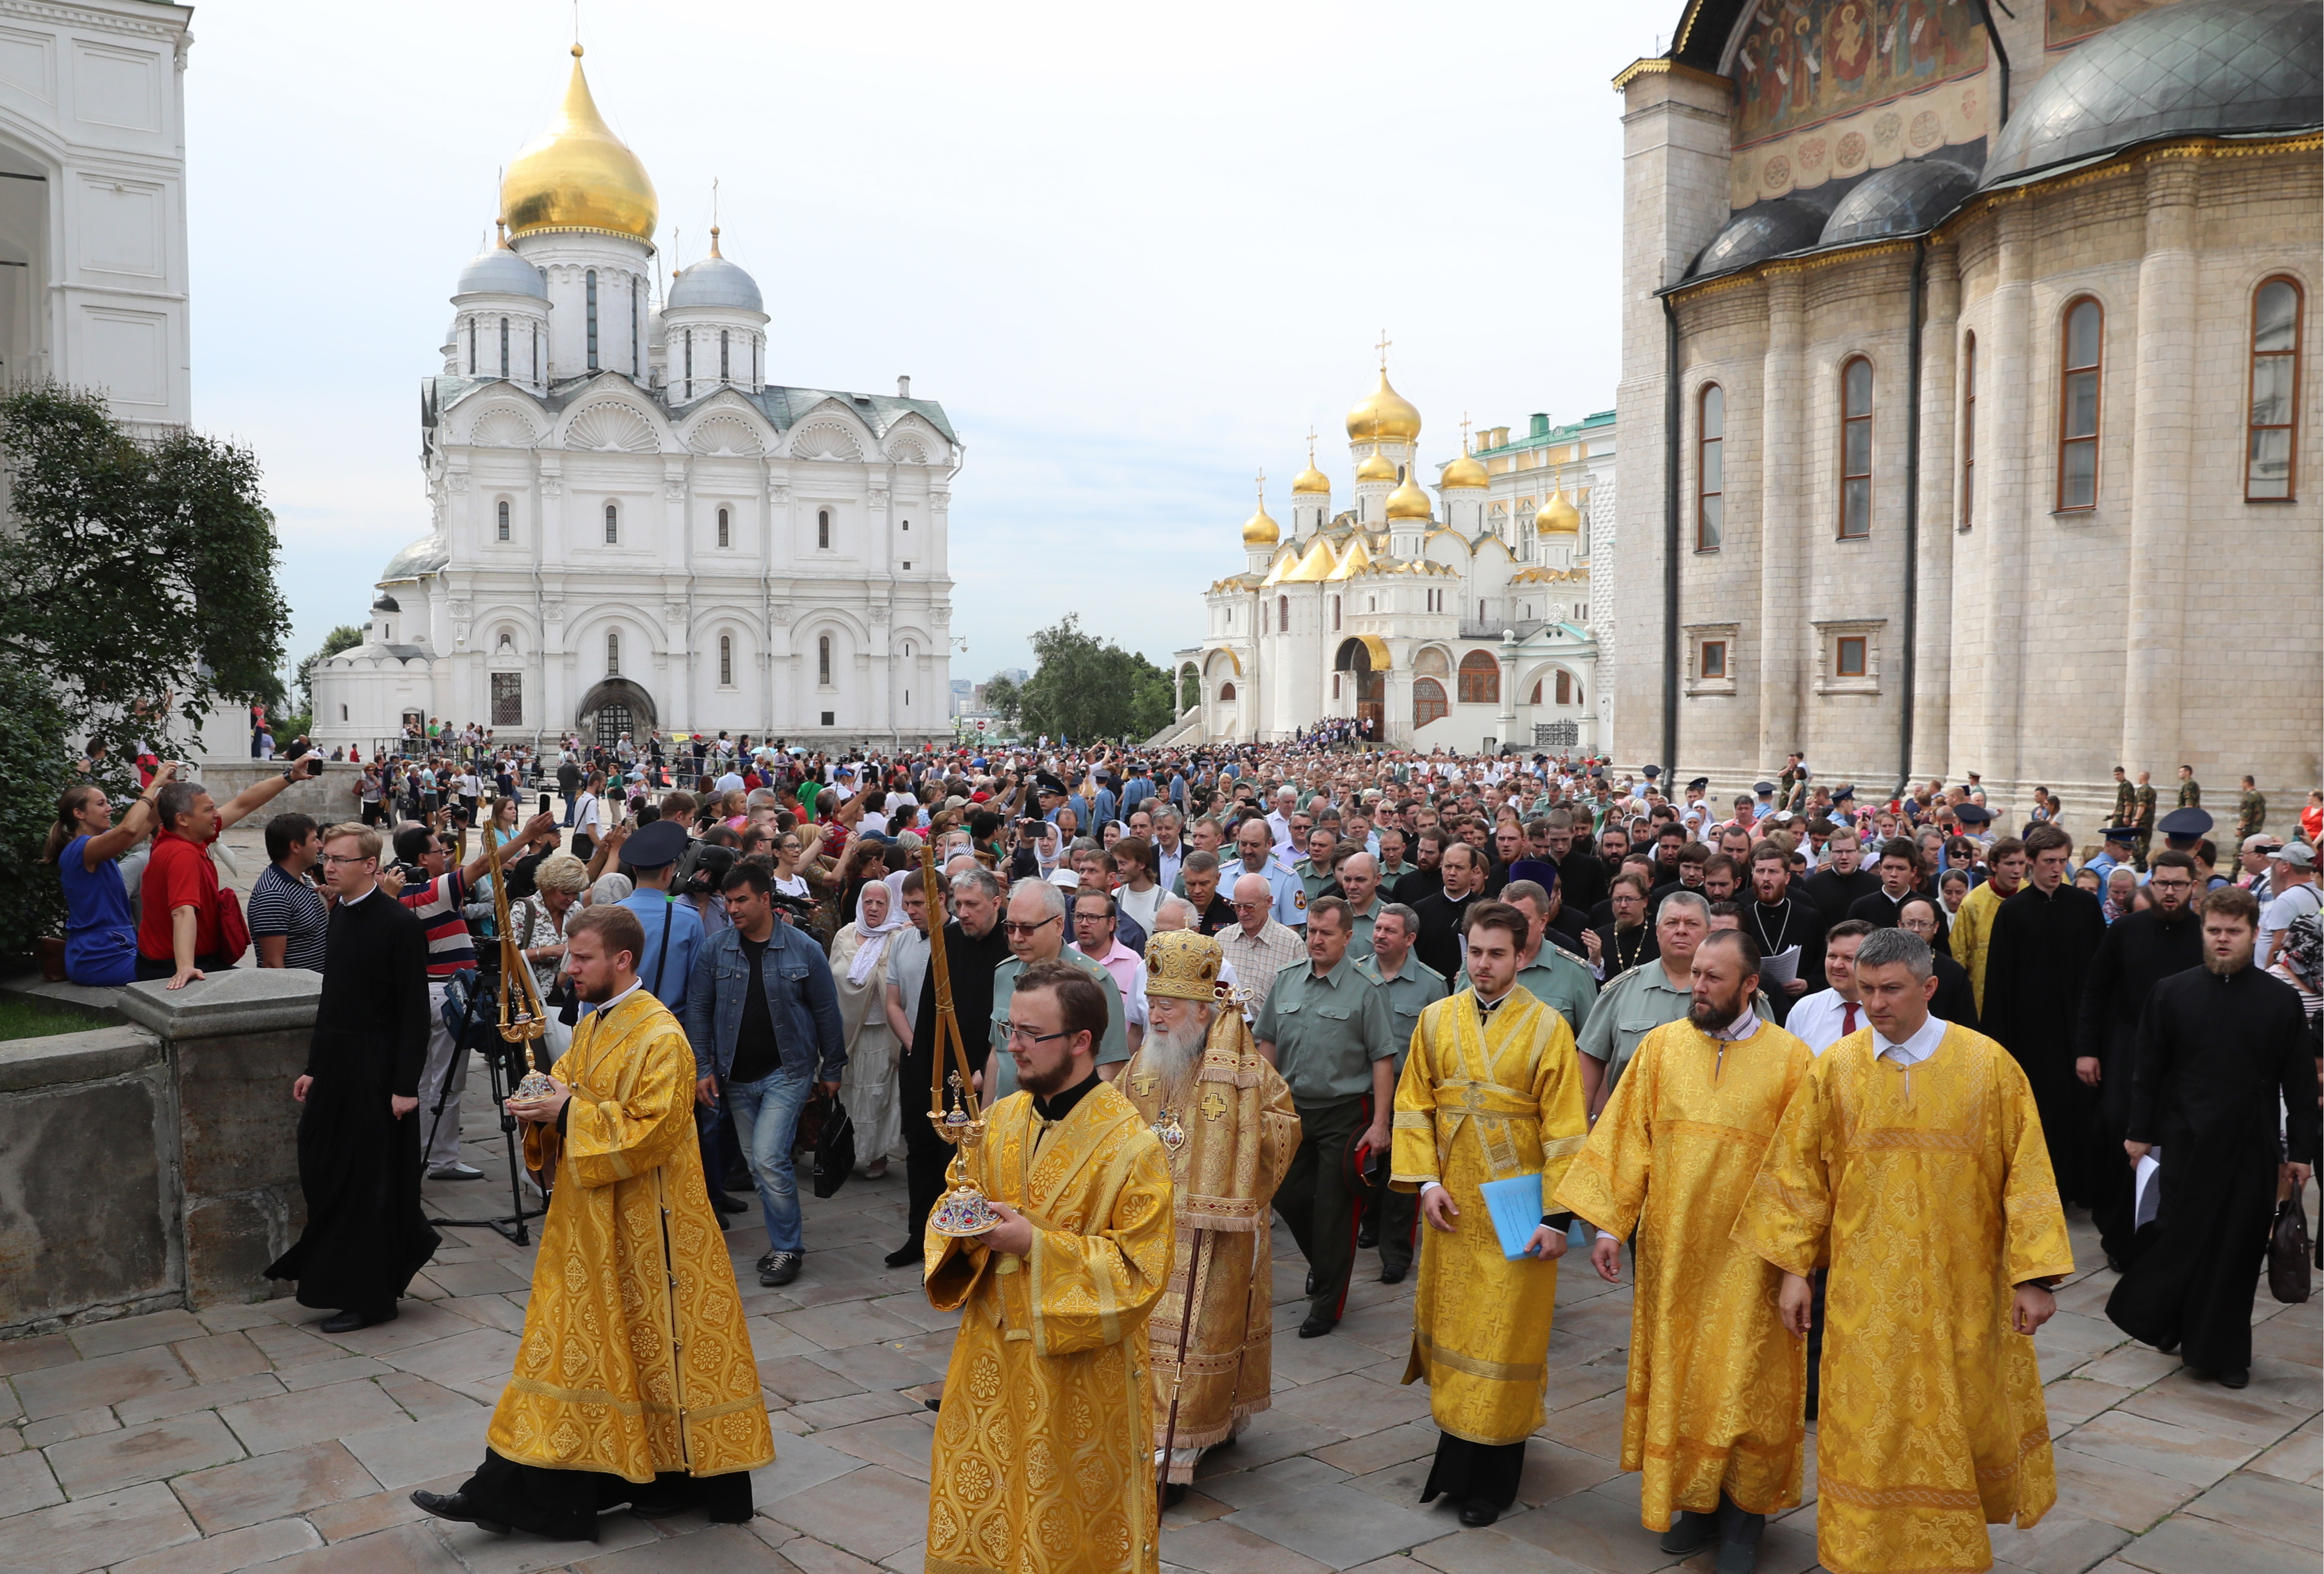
(1043, 1460)
(1913, 1157)
(635, 1382)
(1491, 1091)
(1713, 1415)
(1224, 1115)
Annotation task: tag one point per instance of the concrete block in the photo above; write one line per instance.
(243, 1000)
(75, 1057)
(84, 1221)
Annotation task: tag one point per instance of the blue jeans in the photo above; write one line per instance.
(765, 1122)
(571, 801)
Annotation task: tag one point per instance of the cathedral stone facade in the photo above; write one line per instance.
(634, 527)
(1970, 417)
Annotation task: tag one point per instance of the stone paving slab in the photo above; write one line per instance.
(243, 1438)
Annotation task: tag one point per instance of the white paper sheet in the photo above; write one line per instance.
(2142, 1211)
(1782, 968)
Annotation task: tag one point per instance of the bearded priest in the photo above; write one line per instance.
(1225, 1116)
(1491, 1092)
(635, 1382)
(1044, 1445)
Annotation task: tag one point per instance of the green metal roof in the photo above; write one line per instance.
(1588, 426)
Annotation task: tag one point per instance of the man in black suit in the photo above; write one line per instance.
(1836, 886)
(1900, 874)
(1442, 916)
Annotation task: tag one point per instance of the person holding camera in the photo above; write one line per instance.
(188, 924)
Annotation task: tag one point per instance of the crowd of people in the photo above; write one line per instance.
(1460, 1011)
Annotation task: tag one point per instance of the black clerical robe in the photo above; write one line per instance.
(359, 1164)
(2216, 1059)
(1792, 921)
(1836, 892)
(969, 962)
(1441, 944)
(2035, 971)
(2139, 951)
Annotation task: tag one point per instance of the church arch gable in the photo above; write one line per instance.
(615, 425)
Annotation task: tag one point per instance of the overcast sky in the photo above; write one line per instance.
(1135, 254)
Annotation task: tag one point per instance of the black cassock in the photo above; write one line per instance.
(2217, 1058)
(2140, 951)
(2035, 964)
(358, 1165)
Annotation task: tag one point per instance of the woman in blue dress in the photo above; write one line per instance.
(85, 845)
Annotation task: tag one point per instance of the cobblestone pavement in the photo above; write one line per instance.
(199, 1443)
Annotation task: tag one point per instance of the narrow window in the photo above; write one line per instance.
(1969, 432)
(1565, 688)
(501, 528)
(535, 336)
(823, 660)
(1282, 613)
(722, 375)
(823, 528)
(504, 347)
(636, 362)
(2077, 406)
(725, 529)
(1427, 701)
(2271, 472)
(612, 524)
(1335, 615)
(1849, 656)
(612, 655)
(1714, 658)
(1709, 471)
(1856, 449)
(1226, 694)
(590, 288)
(472, 347)
(1335, 685)
(726, 661)
(908, 524)
(508, 700)
(689, 364)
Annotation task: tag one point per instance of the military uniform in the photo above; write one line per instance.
(2142, 817)
(2190, 794)
(1556, 980)
(2251, 815)
(1112, 1048)
(1414, 989)
(1312, 880)
(2126, 803)
(1327, 1030)
(1631, 1006)
(1360, 943)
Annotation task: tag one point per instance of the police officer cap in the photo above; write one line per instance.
(2191, 823)
(1972, 814)
(1699, 784)
(1050, 783)
(1844, 793)
(2125, 834)
(1763, 788)
(656, 846)
(1652, 772)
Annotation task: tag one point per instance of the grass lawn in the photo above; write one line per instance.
(25, 1019)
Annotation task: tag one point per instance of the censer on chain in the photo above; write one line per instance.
(522, 1020)
(953, 1108)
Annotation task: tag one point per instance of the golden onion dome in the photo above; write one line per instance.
(578, 175)
(1386, 417)
(1259, 530)
(1558, 517)
(1464, 471)
(1377, 466)
(1312, 479)
(1408, 502)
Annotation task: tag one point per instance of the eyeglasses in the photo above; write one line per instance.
(1026, 1035)
(1028, 929)
(334, 859)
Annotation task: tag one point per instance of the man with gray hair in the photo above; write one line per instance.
(1037, 931)
(1646, 996)
(1257, 947)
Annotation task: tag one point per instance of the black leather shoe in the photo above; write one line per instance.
(1478, 1511)
(905, 1255)
(346, 1322)
(455, 1506)
(1689, 1531)
(1367, 1234)
(776, 1268)
(1393, 1275)
(1318, 1325)
(2235, 1377)
(725, 1204)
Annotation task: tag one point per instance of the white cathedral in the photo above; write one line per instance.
(1463, 623)
(632, 527)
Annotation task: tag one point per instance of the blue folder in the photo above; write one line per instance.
(1516, 1207)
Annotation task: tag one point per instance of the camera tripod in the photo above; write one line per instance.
(502, 1064)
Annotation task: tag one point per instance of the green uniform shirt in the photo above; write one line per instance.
(1411, 992)
(2190, 793)
(2251, 814)
(1360, 941)
(2125, 804)
(2145, 798)
(1114, 1046)
(1311, 878)
(1327, 1030)
(1556, 980)
(1633, 1005)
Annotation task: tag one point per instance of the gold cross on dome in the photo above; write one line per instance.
(1311, 447)
(1262, 488)
(1382, 346)
(1464, 431)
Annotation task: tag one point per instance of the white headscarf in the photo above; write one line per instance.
(871, 942)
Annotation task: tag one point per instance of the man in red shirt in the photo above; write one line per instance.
(177, 928)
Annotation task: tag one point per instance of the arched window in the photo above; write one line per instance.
(507, 643)
(725, 529)
(1856, 449)
(2270, 471)
(590, 289)
(2082, 340)
(1565, 688)
(472, 347)
(1968, 431)
(823, 660)
(500, 526)
(504, 360)
(689, 364)
(823, 528)
(613, 524)
(535, 335)
(1428, 702)
(726, 661)
(612, 655)
(1480, 679)
(1335, 615)
(1282, 613)
(1226, 694)
(1709, 470)
(722, 356)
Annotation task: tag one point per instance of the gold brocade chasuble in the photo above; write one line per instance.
(1044, 1448)
(1484, 1101)
(635, 1358)
(1239, 1132)
(1717, 1390)
(1929, 1189)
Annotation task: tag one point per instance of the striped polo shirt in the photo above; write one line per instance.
(438, 906)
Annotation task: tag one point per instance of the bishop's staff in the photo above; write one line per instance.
(962, 1210)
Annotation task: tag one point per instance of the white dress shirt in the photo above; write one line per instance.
(1821, 1020)
(1913, 1050)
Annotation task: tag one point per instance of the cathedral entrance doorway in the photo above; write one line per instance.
(1365, 659)
(613, 708)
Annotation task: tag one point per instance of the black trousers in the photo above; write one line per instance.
(1315, 1201)
(1480, 1472)
(1399, 1219)
(926, 1154)
(564, 1505)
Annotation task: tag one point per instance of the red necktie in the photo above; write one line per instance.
(1848, 1021)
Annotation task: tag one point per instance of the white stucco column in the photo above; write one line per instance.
(1787, 512)
(1989, 678)
(1939, 510)
(2161, 443)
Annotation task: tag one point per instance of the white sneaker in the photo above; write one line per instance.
(455, 1171)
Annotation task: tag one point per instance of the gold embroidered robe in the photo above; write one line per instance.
(1717, 1392)
(1929, 1189)
(1479, 1103)
(1044, 1454)
(1241, 1132)
(635, 1358)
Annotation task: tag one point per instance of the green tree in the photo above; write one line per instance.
(34, 762)
(1003, 697)
(346, 637)
(1087, 688)
(138, 573)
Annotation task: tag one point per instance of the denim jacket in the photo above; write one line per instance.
(799, 998)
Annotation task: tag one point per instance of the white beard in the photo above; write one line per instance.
(1173, 1056)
